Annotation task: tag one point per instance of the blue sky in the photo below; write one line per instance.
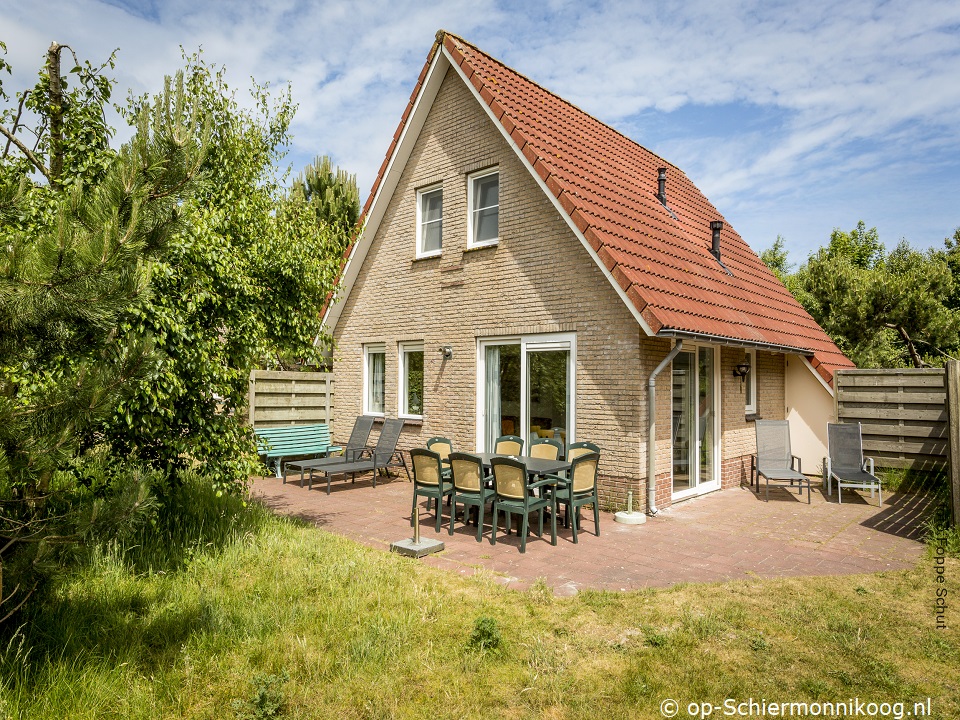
(793, 118)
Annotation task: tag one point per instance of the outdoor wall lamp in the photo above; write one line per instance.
(446, 351)
(741, 371)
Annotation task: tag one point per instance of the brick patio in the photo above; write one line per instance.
(725, 535)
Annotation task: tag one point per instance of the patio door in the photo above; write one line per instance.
(525, 388)
(694, 428)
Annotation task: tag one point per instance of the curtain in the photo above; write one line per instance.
(492, 396)
(377, 367)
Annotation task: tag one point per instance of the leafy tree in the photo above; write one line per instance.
(245, 282)
(74, 253)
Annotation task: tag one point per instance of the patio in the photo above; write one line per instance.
(726, 535)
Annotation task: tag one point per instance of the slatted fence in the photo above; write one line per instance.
(290, 398)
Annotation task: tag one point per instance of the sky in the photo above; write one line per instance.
(793, 118)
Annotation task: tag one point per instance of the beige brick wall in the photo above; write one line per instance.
(538, 279)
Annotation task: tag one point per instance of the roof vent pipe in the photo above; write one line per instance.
(662, 185)
(716, 226)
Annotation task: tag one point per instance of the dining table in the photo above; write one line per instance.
(535, 466)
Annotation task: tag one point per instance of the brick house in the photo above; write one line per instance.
(524, 269)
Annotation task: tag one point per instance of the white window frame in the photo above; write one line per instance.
(703, 486)
(471, 210)
(421, 253)
(402, 351)
(527, 343)
(751, 382)
(368, 350)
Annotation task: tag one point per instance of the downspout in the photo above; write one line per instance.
(652, 429)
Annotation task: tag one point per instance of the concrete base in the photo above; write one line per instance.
(630, 518)
(409, 548)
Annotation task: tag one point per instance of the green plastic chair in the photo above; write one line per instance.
(514, 495)
(428, 480)
(469, 488)
(443, 447)
(579, 488)
(546, 448)
(581, 448)
(508, 445)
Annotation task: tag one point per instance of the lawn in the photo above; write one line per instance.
(243, 614)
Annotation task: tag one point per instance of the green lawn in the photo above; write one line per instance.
(339, 630)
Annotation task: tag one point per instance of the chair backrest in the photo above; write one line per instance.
(583, 471)
(426, 467)
(440, 445)
(387, 442)
(361, 432)
(581, 448)
(508, 445)
(546, 448)
(845, 445)
(509, 478)
(467, 471)
(773, 443)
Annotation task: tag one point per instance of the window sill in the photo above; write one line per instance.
(485, 246)
(429, 256)
(751, 417)
(407, 421)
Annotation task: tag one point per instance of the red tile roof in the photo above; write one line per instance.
(607, 184)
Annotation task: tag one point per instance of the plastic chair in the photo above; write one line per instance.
(428, 480)
(469, 488)
(514, 495)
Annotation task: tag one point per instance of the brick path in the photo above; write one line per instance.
(725, 535)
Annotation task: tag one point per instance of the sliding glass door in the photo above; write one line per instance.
(525, 388)
(694, 422)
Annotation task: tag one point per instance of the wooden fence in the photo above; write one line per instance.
(290, 398)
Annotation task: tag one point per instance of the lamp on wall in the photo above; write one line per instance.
(446, 351)
(741, 370)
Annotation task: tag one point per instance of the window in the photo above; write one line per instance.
(483, 199)
(411, 380)
(750, 382)
(374, 365)
(429, 221)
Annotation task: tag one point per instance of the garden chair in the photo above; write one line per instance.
(774, 461)
(513, 494)
(443, 447)
(508, 445)
(580, 448)
(469, 488)
(355, 447)
(383, 456)
(546, 448)
(579, 488)
(428, 480)
(845, 461)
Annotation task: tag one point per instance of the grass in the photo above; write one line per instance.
(250, 615)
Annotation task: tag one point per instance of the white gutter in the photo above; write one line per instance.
(652, 429)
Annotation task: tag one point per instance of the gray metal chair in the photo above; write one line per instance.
(355, 448)
(774, 460)
(845, 461)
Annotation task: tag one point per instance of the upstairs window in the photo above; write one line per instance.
(429, 221)
(483, 190)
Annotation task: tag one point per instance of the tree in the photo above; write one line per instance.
(74, 253)
(334, 195)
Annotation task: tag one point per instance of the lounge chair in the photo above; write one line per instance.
(774, 460)
(352, 451)
(383, 456)
(845, 461)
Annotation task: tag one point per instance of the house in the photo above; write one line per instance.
(525, 269)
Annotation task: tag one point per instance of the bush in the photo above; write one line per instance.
(486, 634)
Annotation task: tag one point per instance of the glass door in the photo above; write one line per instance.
(694, 421)
(548, 394)
(501, 393)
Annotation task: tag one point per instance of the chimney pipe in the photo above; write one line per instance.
(662, 185)
(716, 226)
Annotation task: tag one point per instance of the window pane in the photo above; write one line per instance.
(432, 208)
(432, 236)
(375, 387)
(414, 371)
(749, 381)
(487, 191)
(487, 225)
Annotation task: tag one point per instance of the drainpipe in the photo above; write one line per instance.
(652, 429)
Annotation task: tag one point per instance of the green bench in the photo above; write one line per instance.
(288, 441)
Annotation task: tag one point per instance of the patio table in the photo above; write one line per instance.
(535, 466)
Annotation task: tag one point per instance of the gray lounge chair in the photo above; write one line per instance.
(384, 455)
(846, 463)
(356, 446)
(774, 461)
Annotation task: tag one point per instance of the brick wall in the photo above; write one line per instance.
(538, 279)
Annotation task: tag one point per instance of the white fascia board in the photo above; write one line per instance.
(817, 375)
(556, 203)
(388, 184)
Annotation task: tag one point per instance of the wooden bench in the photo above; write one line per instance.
(287, 441)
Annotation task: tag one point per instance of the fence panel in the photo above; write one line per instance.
(290, 398)
(903, 413)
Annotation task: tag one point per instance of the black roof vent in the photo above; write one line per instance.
(716, 226)
(662, 185)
